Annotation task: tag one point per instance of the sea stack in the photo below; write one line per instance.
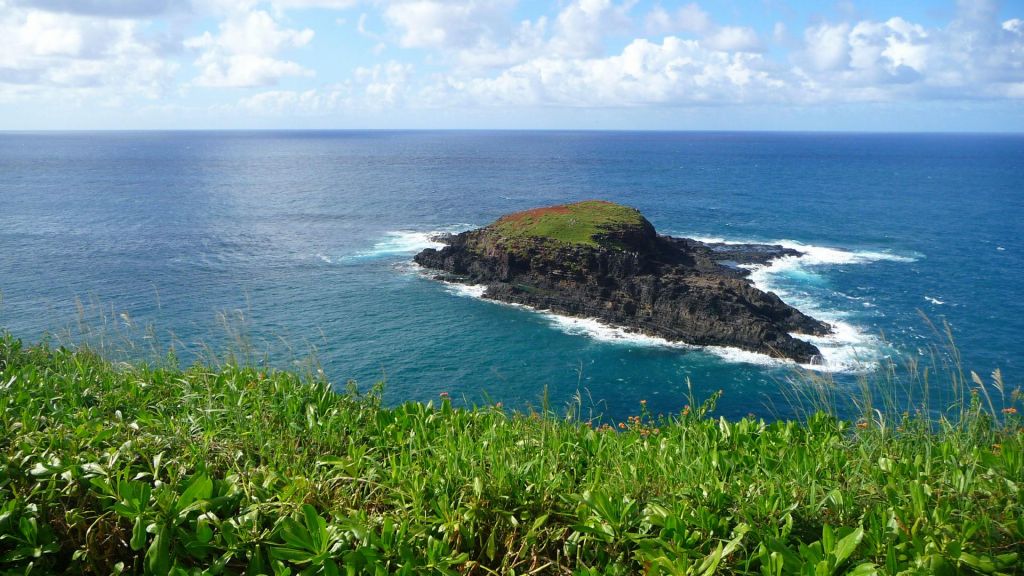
(602, 260)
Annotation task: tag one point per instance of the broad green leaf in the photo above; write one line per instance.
(317, 528)
(138, 540)
(847, 544)
(199, 488)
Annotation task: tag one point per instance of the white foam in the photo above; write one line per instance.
(399, 242)
(467, 290)
(324, 258)
(849, 348)
(935, 301)
(403, 242)
(597, 330)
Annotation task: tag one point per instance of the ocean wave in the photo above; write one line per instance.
(836, 359)
(849, 349)
(467, 290)
(400, 242)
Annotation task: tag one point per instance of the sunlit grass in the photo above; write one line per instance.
(579, 223)
(230, 468)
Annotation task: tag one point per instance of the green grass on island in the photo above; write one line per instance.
(220, 469)
(578, 223)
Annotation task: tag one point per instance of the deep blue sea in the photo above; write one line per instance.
(303, 240)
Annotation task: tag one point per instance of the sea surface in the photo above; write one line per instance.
(299, 242)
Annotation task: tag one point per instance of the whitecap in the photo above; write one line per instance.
(401, 242)
(849, 348)
(599, 331)
(467, 290)
(935, 301)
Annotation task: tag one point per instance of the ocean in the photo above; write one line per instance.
(301, 242)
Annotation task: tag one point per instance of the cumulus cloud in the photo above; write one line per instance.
(109, 8)
(482, 53)
(975, 56)
(733, 39)
(481, 34)
(692, 19)
(440, 24)
(689, 18)
(299, 4)
(377, 87)
(243, 52)
(674, 71)
(48, 54)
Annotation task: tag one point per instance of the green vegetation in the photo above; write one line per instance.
(579, 223)
(108, 468)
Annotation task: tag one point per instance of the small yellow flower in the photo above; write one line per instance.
(1010, 410)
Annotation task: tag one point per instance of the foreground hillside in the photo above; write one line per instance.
(116, 468)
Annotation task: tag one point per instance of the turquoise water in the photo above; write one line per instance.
(308, 236)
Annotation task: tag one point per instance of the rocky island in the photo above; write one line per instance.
(601, 260)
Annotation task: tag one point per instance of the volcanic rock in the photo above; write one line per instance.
(601, 260)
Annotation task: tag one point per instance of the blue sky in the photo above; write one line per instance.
(573, 64)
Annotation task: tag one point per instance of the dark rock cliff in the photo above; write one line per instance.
(673, 288)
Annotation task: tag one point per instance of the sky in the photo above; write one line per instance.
(855, 65)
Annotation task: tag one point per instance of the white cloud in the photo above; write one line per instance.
(440, 24)
(479, 53)
(581, 28)
(733, 39)
(108, 8)
(827, 46)
(300, 4)
(481, 34)
(67, 57)
(378, 87)
(690, 18)
(243, 52)
(974, 56)
(675, 71)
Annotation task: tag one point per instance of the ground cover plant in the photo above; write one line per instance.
(111, 467)
(578, 223)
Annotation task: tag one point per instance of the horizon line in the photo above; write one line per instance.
(511, 130)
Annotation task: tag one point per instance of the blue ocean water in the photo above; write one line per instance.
(304, 239)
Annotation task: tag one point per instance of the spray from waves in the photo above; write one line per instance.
(849, 348)
(401, 242)
(601, 332)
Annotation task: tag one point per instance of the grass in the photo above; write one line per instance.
(579, 223)
(149, 468)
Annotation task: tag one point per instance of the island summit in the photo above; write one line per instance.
(601, 260)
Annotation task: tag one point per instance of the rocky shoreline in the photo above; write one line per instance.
(679, 289)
